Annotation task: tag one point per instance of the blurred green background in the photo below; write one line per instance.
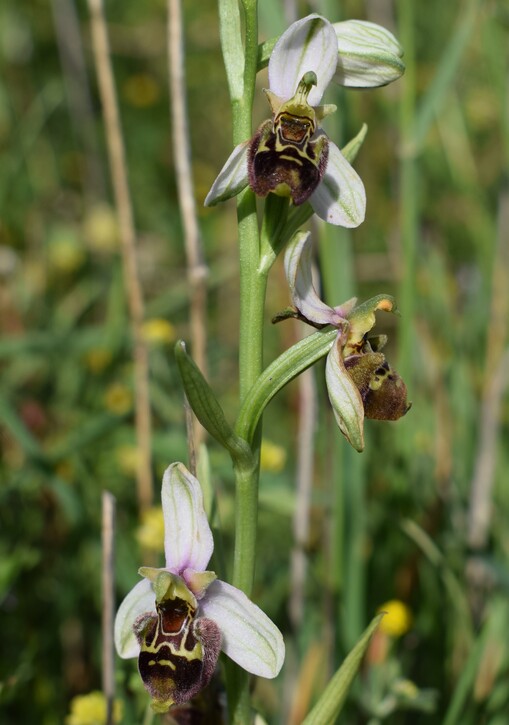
(396, 523)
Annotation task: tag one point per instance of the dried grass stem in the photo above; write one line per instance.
(123, 203)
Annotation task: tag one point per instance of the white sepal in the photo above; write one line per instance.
(141, 599)
(188, 541)
(250, 638)
(300, 280)
(232, 178)
(340, 198)
(309, 44)
(345, 398)
(369, 55)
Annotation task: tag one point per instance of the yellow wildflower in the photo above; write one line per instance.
(272, 457)
(65, 251)
(141, 90)
(150, 533)
(397, 620)
(118, 399)
(90, 709)
(100, 229)
(97, 359)
(158, 331)
(128, 458)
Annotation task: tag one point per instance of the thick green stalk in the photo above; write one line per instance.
(252, 302)
(252, 285)
(252, 294)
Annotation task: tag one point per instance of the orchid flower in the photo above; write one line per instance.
(290, 155)
(359, 380)
(177, 619)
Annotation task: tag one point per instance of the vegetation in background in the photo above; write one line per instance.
(396, 527)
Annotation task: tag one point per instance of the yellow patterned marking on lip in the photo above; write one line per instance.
(195, 654)
(299, 162)
(168, 663)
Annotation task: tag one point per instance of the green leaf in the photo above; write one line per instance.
(467, 24)
(208, 410)
(17, 428)
(231, 44)
(331, 702)
(493, 631)
(264, 52)
(285, 368)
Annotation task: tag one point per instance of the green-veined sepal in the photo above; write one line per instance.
(369, 55)
(250, 638)
(340, 198)
(307, 45)
(139, 600)
(232, 178)
(188, 541)
(345, 398)
(298, 270)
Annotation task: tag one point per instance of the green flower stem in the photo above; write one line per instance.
(253, 284)
(297, 217)
(251, 56)
(245, 527)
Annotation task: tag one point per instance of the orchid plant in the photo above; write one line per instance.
(176, 620)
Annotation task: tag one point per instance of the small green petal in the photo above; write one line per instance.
(199, 581)
(362, 319)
